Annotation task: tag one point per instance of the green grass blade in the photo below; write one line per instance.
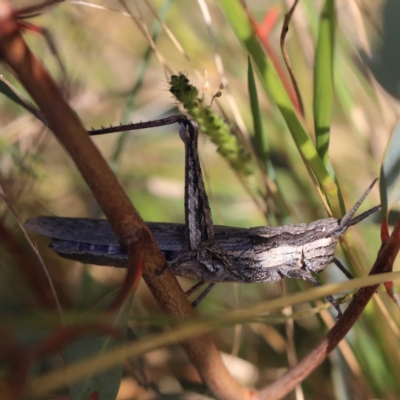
(144, 65)
(16, 96)
(323, 79)
(260, 139)
(269, 78)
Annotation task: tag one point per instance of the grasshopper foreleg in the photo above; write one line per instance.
(208, 263)
(203, 294)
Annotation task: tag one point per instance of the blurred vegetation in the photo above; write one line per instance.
(113, 76)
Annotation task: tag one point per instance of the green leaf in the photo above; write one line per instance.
(389, 182)
(107, 382)
(12, 93)
(323, 79)
(385, 60)
(376, 369)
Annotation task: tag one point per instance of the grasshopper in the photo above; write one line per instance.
(204, 252)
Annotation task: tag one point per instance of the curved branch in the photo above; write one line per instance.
(303, 369)
(129, 227)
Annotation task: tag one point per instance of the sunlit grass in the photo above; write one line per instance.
(103, 52)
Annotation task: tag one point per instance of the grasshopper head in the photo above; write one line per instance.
(322, 235)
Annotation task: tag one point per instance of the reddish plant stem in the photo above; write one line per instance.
(132, 278)
(33, 276)
(303, 369)
(263, 35)
(129, 227)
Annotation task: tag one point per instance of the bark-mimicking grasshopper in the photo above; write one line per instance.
(199, 250)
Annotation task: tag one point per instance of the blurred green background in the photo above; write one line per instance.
(113, 76)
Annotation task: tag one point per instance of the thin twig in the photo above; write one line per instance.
(221, 70)
(262, 35)
(285, 29)
(168, 31)
(39, 257)
(143, 28)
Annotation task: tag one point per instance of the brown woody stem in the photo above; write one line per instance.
(129, 227)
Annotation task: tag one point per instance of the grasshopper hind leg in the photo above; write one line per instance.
(307, 276)
(329, 298)
(342, 268)
(314, 281)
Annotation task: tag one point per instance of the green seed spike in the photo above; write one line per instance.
(211, 124)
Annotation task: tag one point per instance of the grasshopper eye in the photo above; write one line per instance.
(219, 269)
(209, 266)
(214, 266)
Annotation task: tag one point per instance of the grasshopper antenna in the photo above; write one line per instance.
(347, 220)
(364, 215)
